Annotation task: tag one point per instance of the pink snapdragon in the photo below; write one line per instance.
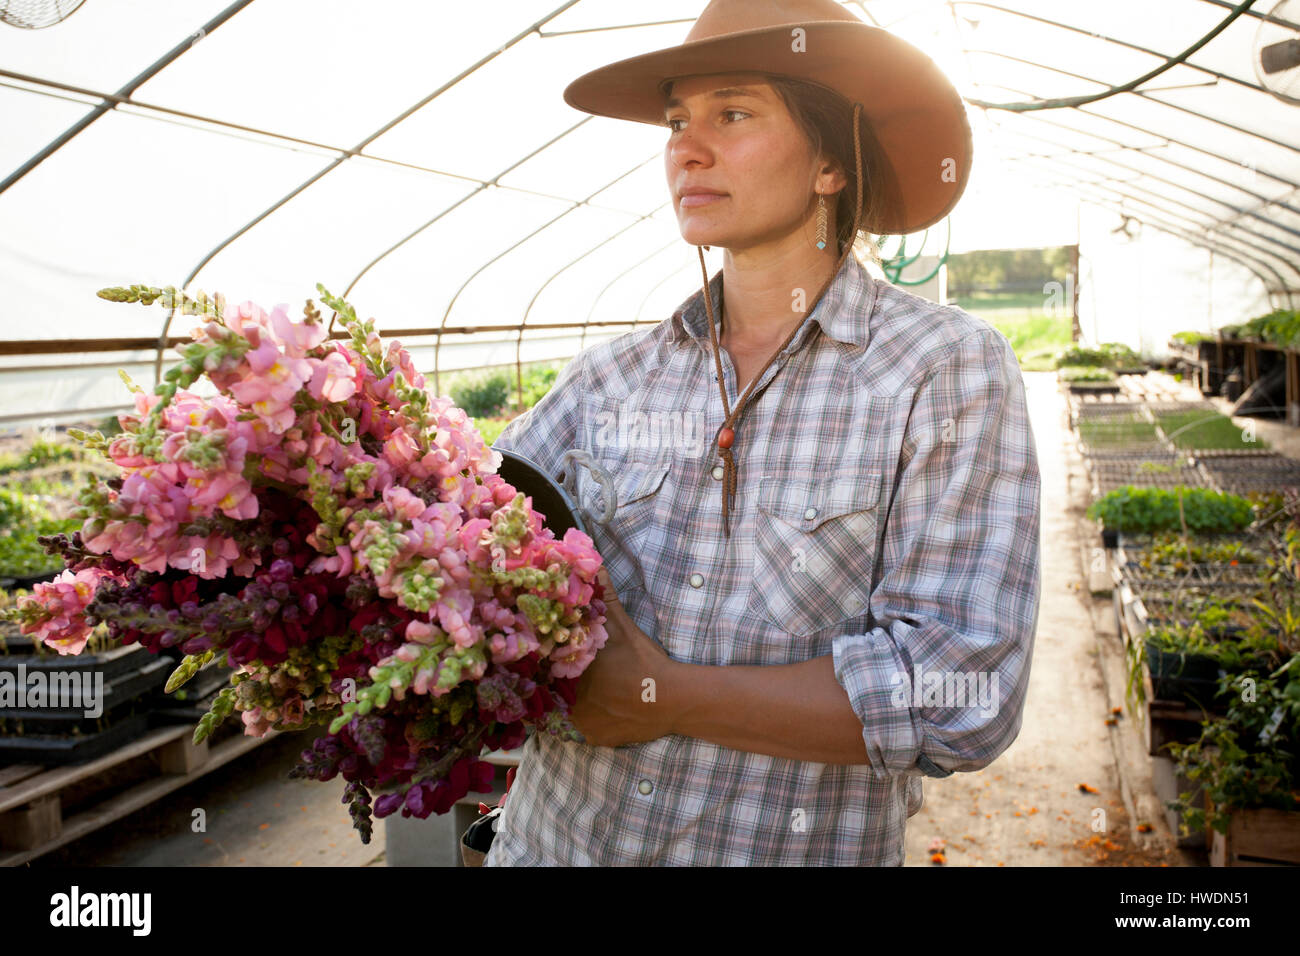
(55, 610)
(571, 658)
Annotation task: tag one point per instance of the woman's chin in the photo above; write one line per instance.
(704, 237)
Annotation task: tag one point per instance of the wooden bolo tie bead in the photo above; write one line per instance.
(726, 437)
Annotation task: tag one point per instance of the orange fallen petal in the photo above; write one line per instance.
(264, 826)
(1145, 828)
(1087, 788)
(937, 858)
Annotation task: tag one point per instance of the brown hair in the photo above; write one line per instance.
(826, 118)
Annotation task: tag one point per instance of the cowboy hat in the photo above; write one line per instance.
(916, 116)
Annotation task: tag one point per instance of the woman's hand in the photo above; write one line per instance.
(621, 697)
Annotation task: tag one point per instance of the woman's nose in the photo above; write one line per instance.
(688, 146)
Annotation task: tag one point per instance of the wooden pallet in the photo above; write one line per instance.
(1262, 837)
(42, 809)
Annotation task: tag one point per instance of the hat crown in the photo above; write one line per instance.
(722, 17)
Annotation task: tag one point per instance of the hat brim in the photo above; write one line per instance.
(916, 114)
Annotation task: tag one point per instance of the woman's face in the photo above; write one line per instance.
(733, 135)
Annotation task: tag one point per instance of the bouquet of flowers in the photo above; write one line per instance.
(325, 525)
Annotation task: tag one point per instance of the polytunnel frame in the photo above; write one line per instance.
(1165, 200)
(1285, 290)
(1267, 201)
(1223, 228)
(1158, 221)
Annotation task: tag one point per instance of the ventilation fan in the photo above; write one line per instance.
(35, 14)
(1277, 52)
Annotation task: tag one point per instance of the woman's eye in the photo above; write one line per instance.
(676, 129)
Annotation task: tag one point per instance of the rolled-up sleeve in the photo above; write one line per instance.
(939, 682)
(550, 428)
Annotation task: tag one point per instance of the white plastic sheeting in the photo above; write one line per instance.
(419, 157)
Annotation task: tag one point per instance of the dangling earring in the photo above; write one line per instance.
(821, 221)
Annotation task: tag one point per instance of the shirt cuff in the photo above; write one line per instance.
(876, 676)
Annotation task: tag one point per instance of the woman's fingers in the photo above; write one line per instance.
(613, 606)
(610, 596)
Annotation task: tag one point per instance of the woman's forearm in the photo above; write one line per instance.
(798, 711)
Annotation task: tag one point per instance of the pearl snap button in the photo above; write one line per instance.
(810, 513)
(646, 787)
(697, 580)
(717, 472)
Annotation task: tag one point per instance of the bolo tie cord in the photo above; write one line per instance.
(726, 435)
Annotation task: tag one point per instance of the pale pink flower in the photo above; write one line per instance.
(63, 602)
(332, 379)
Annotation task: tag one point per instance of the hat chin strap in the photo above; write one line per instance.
(726, 435)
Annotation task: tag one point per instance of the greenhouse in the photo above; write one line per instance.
(359, 393)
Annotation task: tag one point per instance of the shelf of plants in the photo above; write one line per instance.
(1210, 631)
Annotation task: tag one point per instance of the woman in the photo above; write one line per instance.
(836, 592)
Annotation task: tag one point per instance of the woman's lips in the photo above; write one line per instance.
(701, 199)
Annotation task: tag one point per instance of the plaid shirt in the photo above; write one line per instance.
(886, 513)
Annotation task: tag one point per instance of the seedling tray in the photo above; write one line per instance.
(127, 687)
(62, 723)
(1191, 678)
(10, 582)
(1241, 473)
(56, 751)
(119, 660)
(202, 686)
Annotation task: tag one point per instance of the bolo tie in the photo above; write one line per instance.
(726, 434)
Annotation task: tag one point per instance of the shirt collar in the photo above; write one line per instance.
(843, 313)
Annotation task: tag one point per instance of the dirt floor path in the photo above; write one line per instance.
(253, 815)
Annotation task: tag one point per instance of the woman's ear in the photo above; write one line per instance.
(831, 178)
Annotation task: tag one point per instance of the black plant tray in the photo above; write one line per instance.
(189, 711)
(67, 723)
(11, 583)
(119, 660)
(202, 686)
(1192, 678)
(128, 687)
(55, 751)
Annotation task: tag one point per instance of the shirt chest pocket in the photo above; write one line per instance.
(624, 541)
(815, 546)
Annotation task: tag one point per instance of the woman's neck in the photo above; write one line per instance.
(760, 295)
